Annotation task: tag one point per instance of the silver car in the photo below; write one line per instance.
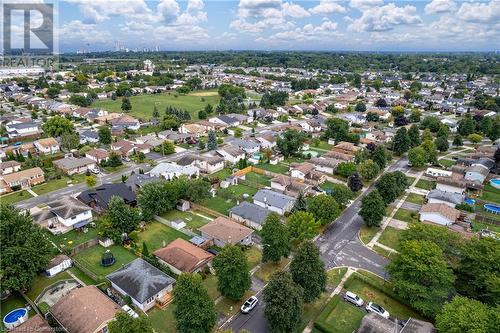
(249, 304)
(353, 298)
(373, 307)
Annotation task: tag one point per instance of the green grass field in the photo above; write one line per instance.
(227, 198)
(143, 105)
(391, 237)
(255, 178)
(40, 282)
(415, 198)
(367, 233)
(491, 194)
(345, 318)
(72, 238)
(192, 220)
(406, 215)
(426, 184)
(91, 259)
(12, 198)
(278, 168)
(157, 235)
(56, 184)
(269, 268)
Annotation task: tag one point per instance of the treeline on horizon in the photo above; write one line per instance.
(442, 63)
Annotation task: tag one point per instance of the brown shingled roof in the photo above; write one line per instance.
(442, 209)
(183, 255)
(226, 230)
(34, 324)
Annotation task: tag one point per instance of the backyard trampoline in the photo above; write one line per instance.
(107, 259)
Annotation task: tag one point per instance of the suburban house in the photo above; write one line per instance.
(58, 264)
(62, 215)
(9, 167)
(267, 141)
(274, 201)
(173, 136)
(21, 179)
(97, 155)
(250, 214)
(225, 120)
(194, 130)
(47, 146)
(98, 198)
(374, 323)
(183, 257)
(448, 198)
(206, 164)
(479, 170)
(288, 185)
(439, 213)
(145, 284)
(311, 126)
(248, 146)
(326, 165)
(170, 171)
(451, 184)
(125, 121)
(137, 180)
(22, 129)
(126, 148)
(231, 154)
(85, 310)
(306, 170)
(89, 137)
(73, 165)
(34, 324)
(224, 231)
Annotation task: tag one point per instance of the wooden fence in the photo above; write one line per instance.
(206, 210)
(79, 248)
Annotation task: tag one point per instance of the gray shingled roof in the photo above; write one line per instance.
(140, 280)
(451, 197)
(251, 212)
(272, 198)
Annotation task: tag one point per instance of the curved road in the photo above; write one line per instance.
(339, 246)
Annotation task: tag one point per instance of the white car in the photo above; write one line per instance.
(353, 298)
(373, 307)
(249, 304)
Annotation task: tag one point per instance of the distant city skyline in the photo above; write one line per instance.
(355, 25)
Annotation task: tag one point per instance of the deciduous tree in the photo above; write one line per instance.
(368, 170)
(125, 323)
(275, 239)
(302, 226)
(57, 126)
(104, 135)
(324, 208)
(372, 209)
(231, 268)
(464, 315)
(308, 271)
(401, 141)
(341, 193)
(354, 182)
(417, 157)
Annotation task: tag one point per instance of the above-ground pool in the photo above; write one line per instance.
(495, 183)
(15, 318)
(470, 201)
(495, 209)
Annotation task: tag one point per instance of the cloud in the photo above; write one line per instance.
(440, 6)
(480, 12)
(296, 11)
(308, 33)
(364, 4)
(195, 5)
(100, 11)
(385, 18)
(78, 31)
(327, 7)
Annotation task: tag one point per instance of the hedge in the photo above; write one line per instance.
(320, 323)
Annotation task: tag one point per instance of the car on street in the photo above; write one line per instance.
(373, 307)
(353, 298)
(249, 304)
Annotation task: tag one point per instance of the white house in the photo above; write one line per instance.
(433, 172)
(170, 171)
(58, 264)
(17, 129)
(206, 163)
(231, 154)
(47, 146)
(439, 213)
(8, 167)
(145, 284)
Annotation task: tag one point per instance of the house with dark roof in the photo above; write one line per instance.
(98, 198)
(250, 214)
(73, 165)
(225, 120)
(89, 137)
(145, 284)
(448, 198)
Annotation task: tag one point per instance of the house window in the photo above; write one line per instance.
(151, 299)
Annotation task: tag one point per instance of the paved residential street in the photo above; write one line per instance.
(339, 246)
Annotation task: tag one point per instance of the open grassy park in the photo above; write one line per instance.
(143, 105)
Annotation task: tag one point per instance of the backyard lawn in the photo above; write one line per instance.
(82, 276)
(406, 215)
(391, 237)
(56, 184)
(91, 259)
(426, 184)
(344, 318)
(143, 105)
(40, 282)
(477, 226)
(193, 221)
(278, 168)
(227, 198)
(491, 194)
(255, 178)
(269, 268)
(158, 235)
(13, 302)
(163, 320)
(446, 163)
(222, 174)
(72, 238)
(15, 197)
(415, 198)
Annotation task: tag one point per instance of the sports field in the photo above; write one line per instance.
(143, 105)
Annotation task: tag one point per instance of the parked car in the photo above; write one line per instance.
(213, 251)
(95, 171)
(249, 304)
(353, 298)
(373, 307)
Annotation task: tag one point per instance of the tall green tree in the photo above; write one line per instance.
(337, 129)
(414, 135)
(231, 269)
(284, 303)
(123, 218)
(197, 190)
(194, 310)
(466, 126)
(275, 239)
(417, 157)
(125, 323)
(153, 199)
(302, 226)
(391, 185)
(368, 169)
(379, 156)
(126, 105)
(308, 271)
(24, 248)
(300, 203)
(324, 208)
(104, 135)
(420, 274)
(70, 141)
(341, 193)
(212, 141)
(464, 315)
(372, 209)
(57, 126)
(442, 143)
(291, 142)
(430, 151)
(355, 182)
(401, 141)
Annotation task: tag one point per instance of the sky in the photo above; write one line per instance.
(355, 25)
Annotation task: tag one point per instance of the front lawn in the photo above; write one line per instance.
(311, 311)
(426, 184)
(335, 276)
(210, 282)
(72, 238)
(269, 268)
(415, 198)
(410, 180)
(254, 257)
(343, 317)
(56, 184)
(406, 215)
(446, 163)
(391, 237)
(192, 220)
(278, 168)
(366, 233)
(40, 282)
(157, 235)
(228, 307)
(12, 198)
(91, 259)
